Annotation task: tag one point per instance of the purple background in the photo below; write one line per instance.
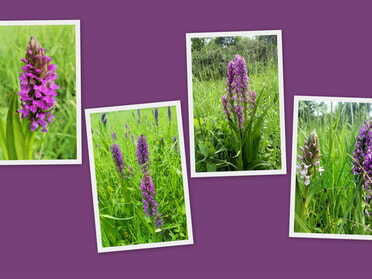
(134, 52)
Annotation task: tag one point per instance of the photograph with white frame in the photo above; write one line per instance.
(331, 186)
(40, 89)
(236, 103)
(139, 177)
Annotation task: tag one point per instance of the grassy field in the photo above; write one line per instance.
(60, 142)
(332, 203)
(121, 209)
(214, 151)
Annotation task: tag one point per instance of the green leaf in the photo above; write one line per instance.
(196, 124)
(104, 238)
(178, 171)
(258, 165)
(115, 218)
(203, 149)
(211, 167)
(300, 225)
(3, 139)
(252, 138)
(109, 233)
(15, 141)
(144, 220)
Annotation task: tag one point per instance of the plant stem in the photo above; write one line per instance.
(240, 156)
(29, 138)
(127, 198)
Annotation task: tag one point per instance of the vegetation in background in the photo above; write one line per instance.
(216, 147)
(330, 197)
(139, 178)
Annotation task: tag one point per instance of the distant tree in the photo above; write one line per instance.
(197, 44)
(226, 41)
(309, 110)
(210, 56)
(267, 47)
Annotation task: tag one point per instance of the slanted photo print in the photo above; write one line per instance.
(139, 178)
(236, 109)
(40, 114)
(331, 191)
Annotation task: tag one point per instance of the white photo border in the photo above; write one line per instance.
(189, 36)
(190, 239)
(78, 160)
(292, 233)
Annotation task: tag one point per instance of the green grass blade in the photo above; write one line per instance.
(109, 232)
(115, 218)
(300, 225)
(144, 221)
(15, 140)
(3, 140)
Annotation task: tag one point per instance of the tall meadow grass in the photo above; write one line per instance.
(121, 209)
(212, 145)
(333, 201)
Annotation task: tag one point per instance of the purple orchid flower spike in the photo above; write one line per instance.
(150, 206)
(362, 163)
(117, 156)
(38, 89)
(239, 100)
(310, 158)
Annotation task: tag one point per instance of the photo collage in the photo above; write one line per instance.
(236, 127)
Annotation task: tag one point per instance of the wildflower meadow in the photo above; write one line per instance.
(235, 103)
(332, 169)
(139, 179)
(38, 88)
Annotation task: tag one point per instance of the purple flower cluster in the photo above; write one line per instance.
(150, 206)
(143, 154)
(310, 158)
(170, 114)
(156, 116)
(362, 164)
(103, 119)
(38, 88)
(117, 156)
(239, 100)
(159, 222)
(148, 196)
(128, 130)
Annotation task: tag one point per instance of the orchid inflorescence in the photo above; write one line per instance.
(150, 205)
(117, 156)
(38, 88)
(119, 162)
(310, 159)
(239, 100)
(362, 163)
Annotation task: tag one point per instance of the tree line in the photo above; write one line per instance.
(211, 55)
